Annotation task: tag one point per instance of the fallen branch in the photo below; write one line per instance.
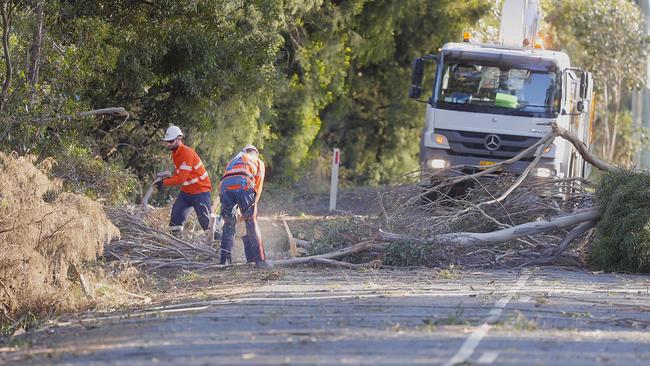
(145, 199)
(112, 111)
(521, 178)
(293, 247)
(327, 262)
(353, 249)
(145, 299)
(466, 239)
(582, 148)
(383, 210)
(562, 247)
(84, 283)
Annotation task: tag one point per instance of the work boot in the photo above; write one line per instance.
(263, 264)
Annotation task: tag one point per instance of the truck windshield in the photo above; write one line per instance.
(498, 89)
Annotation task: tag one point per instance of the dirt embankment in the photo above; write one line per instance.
(44, 236)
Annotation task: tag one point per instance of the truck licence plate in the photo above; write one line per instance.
(486, 163)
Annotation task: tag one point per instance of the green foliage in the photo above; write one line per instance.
(337, 234)
(604, 36)
(406, 254)
(374, 123)
(623, 233)
(607, 38)
(92, 176)
(295, 77)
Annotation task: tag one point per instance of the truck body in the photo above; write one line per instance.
(489, 102)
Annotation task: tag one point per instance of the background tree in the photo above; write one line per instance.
(369, 116)
(605, 37)
(296, 77)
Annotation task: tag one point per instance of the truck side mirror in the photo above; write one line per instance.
(417, 75)
(584, 84)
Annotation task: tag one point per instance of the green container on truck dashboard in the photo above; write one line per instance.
(506, 101)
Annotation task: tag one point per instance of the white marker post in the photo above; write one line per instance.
(336, 159)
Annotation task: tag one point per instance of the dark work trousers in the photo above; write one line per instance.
(185, 202)
(245, 200)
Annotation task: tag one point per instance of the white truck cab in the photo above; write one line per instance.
(489, 102)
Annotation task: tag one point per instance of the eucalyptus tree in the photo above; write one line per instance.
(607, 38)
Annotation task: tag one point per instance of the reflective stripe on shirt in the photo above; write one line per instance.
(237, 171)
(192, 181)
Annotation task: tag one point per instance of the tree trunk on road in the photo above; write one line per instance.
(465, 239)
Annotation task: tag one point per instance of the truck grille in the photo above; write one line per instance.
(474, 144)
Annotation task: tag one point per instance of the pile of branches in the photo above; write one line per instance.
(150, 248)
(144, 246)
(478, 229)
(416, 227)
(501, 220)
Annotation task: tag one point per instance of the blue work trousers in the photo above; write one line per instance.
(245, 200)
(185, 202)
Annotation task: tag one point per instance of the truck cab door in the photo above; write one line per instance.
(577, 90)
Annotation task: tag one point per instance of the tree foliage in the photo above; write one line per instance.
(623, 233)
(606, 37)
(296, 77)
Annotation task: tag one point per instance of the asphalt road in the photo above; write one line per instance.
(381, 317)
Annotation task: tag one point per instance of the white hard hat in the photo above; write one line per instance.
(250, 147)
(172, 133)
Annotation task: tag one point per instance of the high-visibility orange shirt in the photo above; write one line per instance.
(190, 172)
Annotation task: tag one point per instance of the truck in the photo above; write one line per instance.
(490, 101)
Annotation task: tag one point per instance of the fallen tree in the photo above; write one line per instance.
(507, 220)
(466, 239)
(504, 220)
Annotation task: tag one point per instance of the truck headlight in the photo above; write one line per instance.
(438, 163)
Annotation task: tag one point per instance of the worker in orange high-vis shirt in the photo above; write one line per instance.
(193, 179)
(241, 186)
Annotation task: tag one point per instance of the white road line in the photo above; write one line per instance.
(488, 357)
(470, 344)
(501, 303)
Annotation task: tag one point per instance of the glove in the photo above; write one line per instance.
(158, 183)
(163, 175)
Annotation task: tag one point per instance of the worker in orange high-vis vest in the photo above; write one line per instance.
(241, 186)
(193, 179)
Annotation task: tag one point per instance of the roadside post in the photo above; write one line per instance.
(336, 158)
